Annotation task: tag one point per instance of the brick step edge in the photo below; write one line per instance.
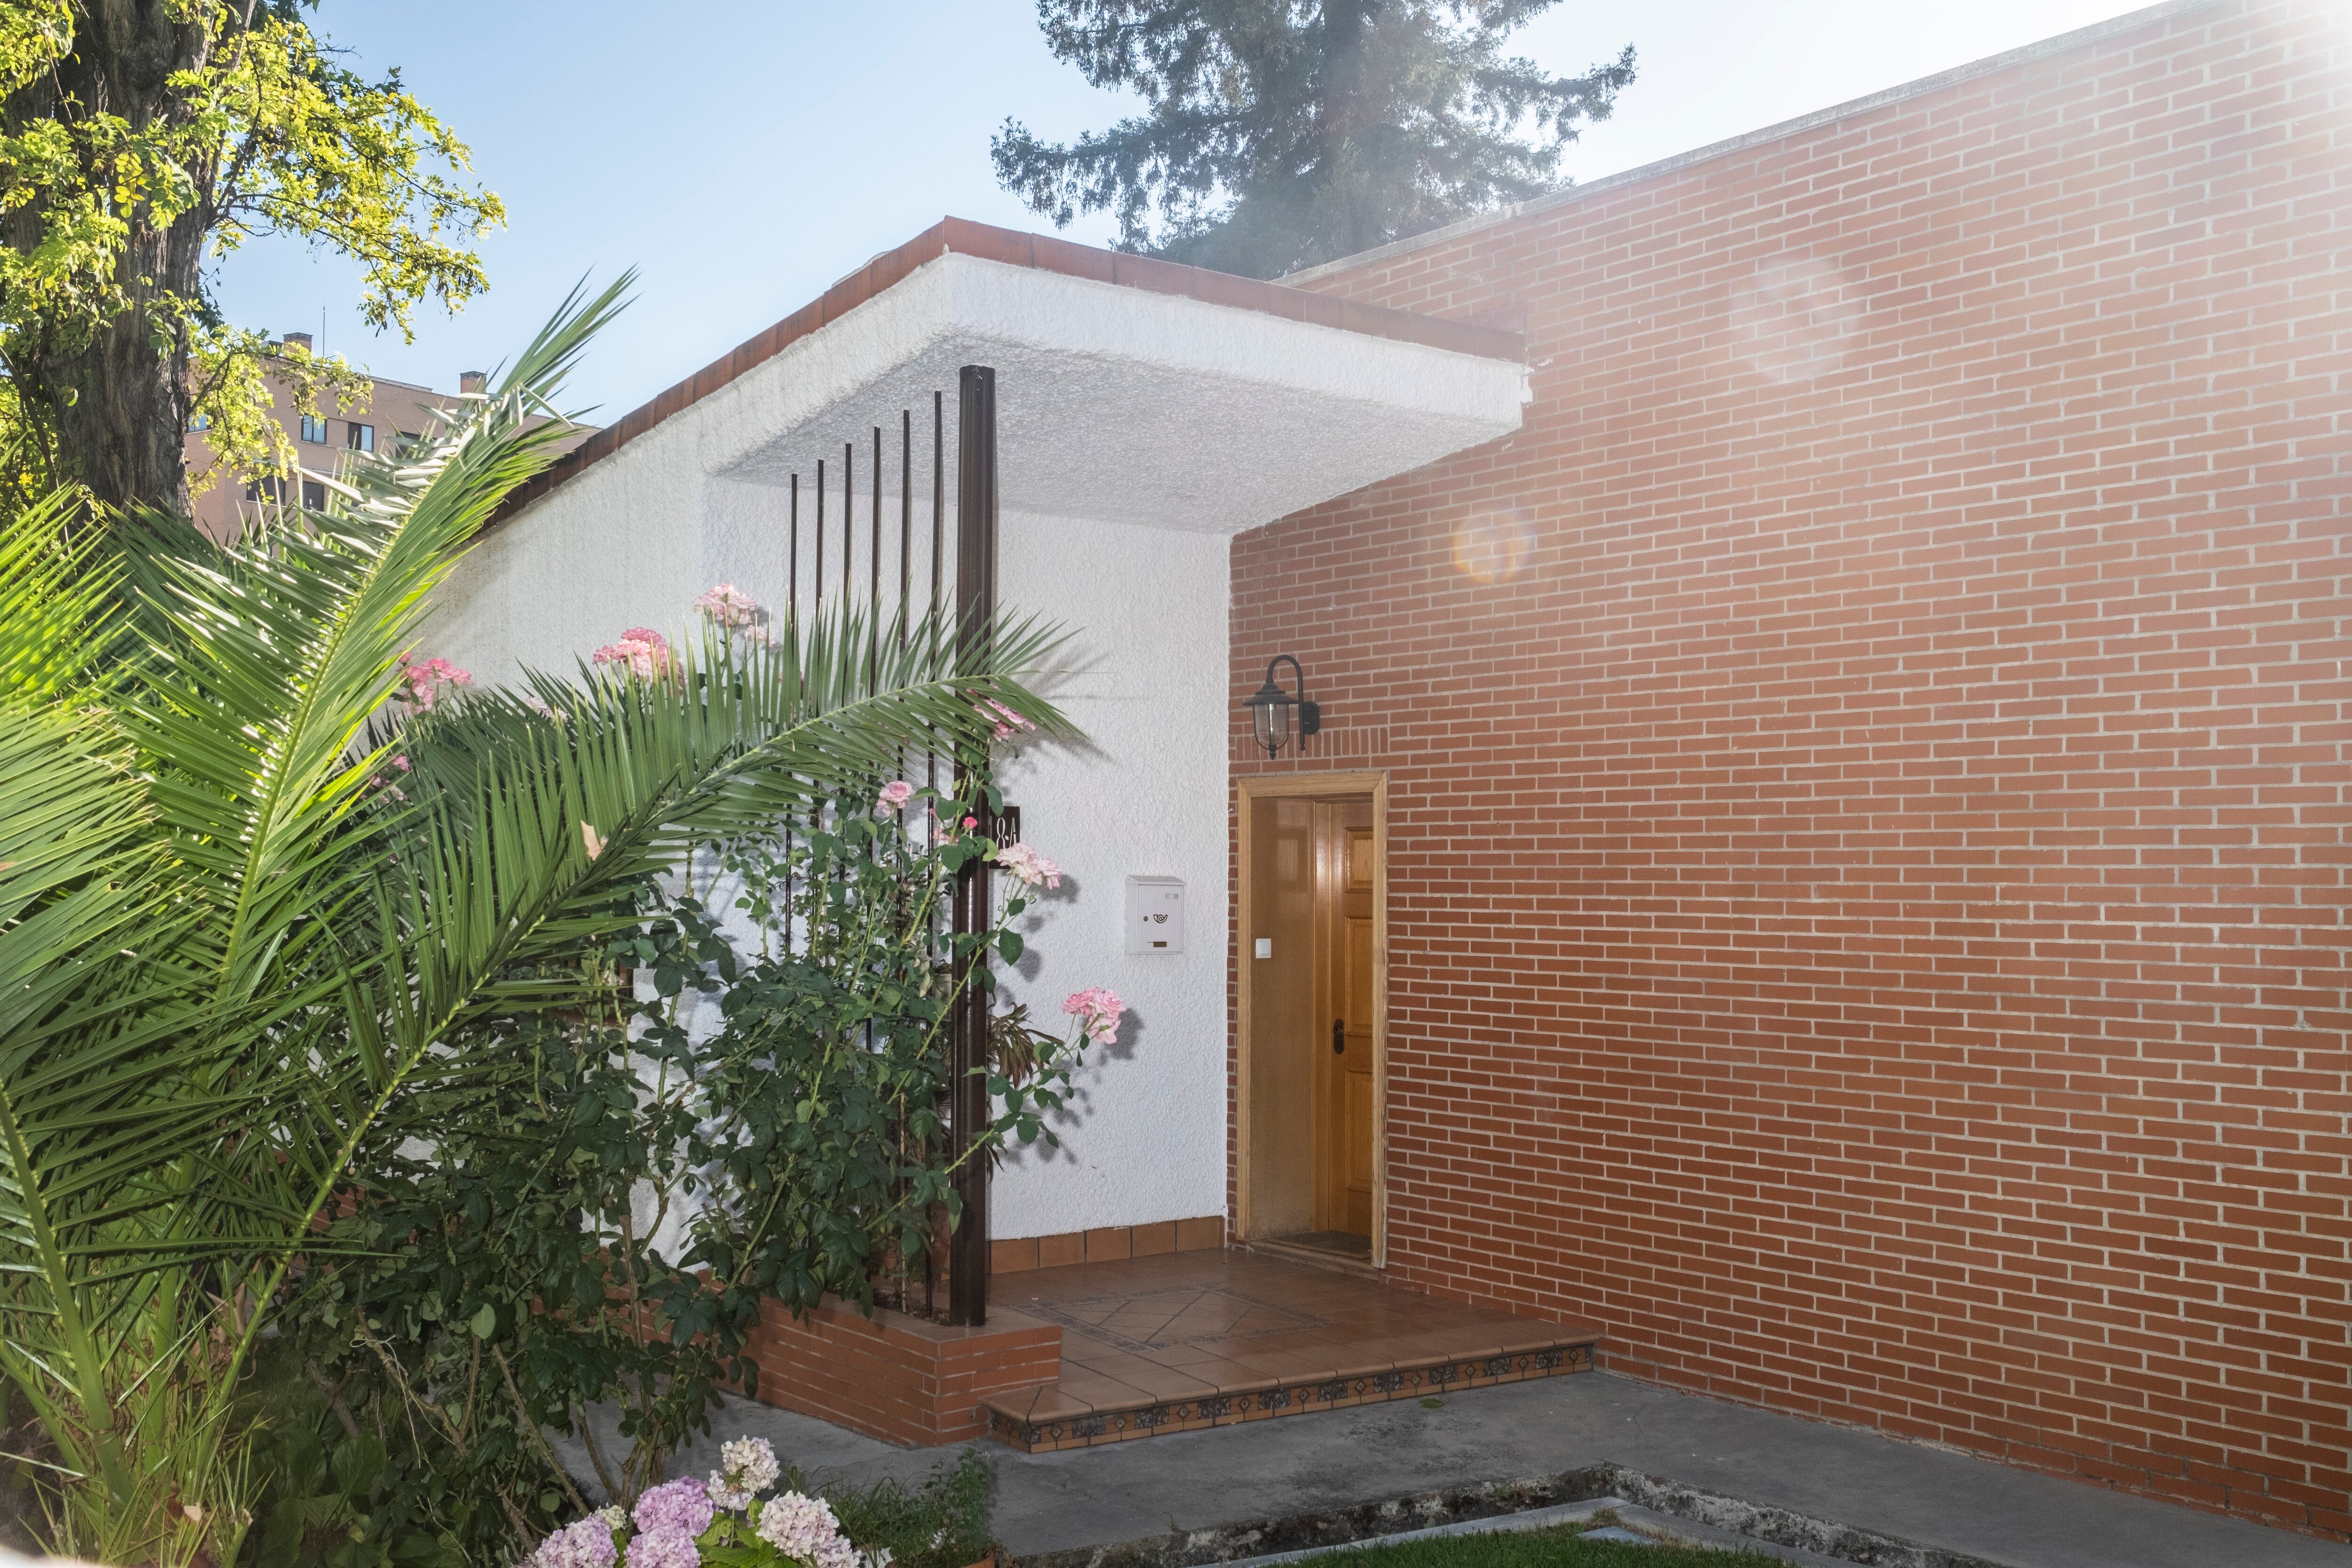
(1011, 1422)
(1419, 1511)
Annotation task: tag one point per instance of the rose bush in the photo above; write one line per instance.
(749, 1105)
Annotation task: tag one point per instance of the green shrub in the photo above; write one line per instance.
(504, 1281)
(942, 1523)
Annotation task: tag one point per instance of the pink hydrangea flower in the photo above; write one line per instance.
(682, 1505)
(894, 793)
(804, 1529)
(643, 649)
(583, 1543)
(664, 1549)
(421, 685)
(1099, 1011)
(1029, 866)
(729, 606)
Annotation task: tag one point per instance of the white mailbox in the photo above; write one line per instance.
(1155, 914)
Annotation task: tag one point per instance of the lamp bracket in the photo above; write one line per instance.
(1270, 700)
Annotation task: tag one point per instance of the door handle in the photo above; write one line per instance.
(1339, 1037)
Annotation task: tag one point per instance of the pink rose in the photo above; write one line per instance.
(729, 606)
(1099, 1011)
(420, 685)
(1006, 721)
(894, 793)
(1029, 866)
(643, 650)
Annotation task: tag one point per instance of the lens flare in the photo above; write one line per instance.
(1793, 321)
(1493, 546)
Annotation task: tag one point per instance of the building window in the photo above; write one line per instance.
(314, 430)
(314, 496)
(359, 438)
(199, 422)
(263, 488)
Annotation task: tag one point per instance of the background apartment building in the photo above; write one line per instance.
(386, 412)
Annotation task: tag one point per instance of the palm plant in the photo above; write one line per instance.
(228, 956)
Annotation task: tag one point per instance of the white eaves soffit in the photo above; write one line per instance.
(1113, 403)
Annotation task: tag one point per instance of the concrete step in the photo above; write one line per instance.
(1060, 1415)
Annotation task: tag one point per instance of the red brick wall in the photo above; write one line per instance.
(1868, 766)
(898, 1378)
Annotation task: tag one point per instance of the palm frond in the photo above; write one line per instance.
(738, 737)
(89, 1067)
(56, 581)
(492, 893)
(177, 845)
(275, 656)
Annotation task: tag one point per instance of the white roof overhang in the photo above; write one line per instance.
(1114, 402)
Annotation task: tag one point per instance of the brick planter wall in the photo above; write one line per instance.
(896, 1377)
(1868, 765)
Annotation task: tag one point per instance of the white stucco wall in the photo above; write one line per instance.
(1144, 678)
(1142, 674)
(1137, 432)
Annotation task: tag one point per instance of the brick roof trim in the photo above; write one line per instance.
(960, 236)
(2063, 43)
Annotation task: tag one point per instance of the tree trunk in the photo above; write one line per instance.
(122, 407)
(116, 397)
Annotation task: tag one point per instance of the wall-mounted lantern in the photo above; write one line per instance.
(1270, 708)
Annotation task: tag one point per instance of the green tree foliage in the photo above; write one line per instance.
(1285, 133)
(140, 141)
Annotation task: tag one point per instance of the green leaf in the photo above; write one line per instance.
(485, 1322)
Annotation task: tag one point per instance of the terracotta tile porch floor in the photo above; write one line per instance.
(1189, 1339)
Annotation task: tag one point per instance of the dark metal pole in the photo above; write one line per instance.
(939, 510)
(976, 503)
(848, 516)
(817, 576)
(906, 515)
(873, 574)
(968, 1043)
(792, 629)
(939, 487)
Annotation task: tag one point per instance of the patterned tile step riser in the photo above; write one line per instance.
(1161, 1417)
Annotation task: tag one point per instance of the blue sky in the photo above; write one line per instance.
(742, 156)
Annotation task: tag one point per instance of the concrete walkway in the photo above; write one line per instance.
(1049, 1502)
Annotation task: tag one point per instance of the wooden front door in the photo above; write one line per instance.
(1347, 950)
(1310, 970)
